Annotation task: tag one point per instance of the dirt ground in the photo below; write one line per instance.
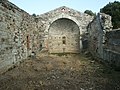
(66, 72)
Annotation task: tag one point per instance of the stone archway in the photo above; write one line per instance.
(63, 36)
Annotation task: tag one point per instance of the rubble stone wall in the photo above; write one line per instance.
(112, 48)
(113, 40)
(18, 35)
(81, 19)
(64, 37)
(60, 30)
(104, 43)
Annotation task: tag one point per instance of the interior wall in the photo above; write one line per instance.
(17, 34)
(103, 41)
(64, 37)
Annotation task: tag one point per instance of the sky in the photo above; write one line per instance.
(42, 6)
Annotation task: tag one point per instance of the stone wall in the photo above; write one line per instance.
(113, 40)
(64, 37)
(60, 30)
(21, 34)
(111, 53)
(81, 19)
(18, 35)
(104, 43)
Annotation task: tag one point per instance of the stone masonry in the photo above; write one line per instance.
(104, 42)
(64, 22)
(18, 35)
(62, 30)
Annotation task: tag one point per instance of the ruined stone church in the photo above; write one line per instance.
(64, 27)
(62, 30)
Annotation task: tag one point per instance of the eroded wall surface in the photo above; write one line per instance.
(112, 48)
(81, 19)
(64, 37)
(113, 40)
(104, 42)
(22, 34)
(18, 35)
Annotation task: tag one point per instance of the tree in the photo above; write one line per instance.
(34, 15)
(113, 9)
(89, 12)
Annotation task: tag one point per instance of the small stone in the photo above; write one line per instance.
(41, 83)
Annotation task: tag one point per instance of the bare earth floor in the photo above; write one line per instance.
(67, 72)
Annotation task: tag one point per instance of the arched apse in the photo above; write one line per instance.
(64, 36)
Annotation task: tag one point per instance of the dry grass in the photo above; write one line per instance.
(65, 72)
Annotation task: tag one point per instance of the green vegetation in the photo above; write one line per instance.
(113, 9)
(89, 12)
(34, 15)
